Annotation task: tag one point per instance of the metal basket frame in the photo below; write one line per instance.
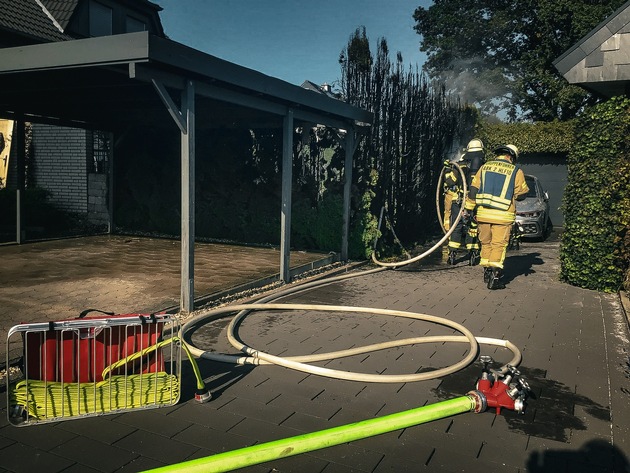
(94, 366)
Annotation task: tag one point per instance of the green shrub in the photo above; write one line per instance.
(597, 199)
(530, 138)
(319, 226)
(364, 227)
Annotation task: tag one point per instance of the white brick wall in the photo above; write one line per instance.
(60, 165)
(97, 199)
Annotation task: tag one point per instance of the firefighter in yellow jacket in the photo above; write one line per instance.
(493, 192)
(454, 199)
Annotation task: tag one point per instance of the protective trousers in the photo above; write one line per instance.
(448, 202)
(472, 236)
(494, 238)
(457, 237)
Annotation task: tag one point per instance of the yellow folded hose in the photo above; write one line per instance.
(45, 400)
(50, 400)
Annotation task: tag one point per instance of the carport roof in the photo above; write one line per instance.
(113, 82)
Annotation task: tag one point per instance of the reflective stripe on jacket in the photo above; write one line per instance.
(496, 185)
(494, 189)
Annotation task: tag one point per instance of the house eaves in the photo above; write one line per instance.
(600, 61)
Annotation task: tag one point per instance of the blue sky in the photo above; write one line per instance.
(293, 40)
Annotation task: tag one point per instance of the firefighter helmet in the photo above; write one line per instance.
(474, 145)
(507, 149)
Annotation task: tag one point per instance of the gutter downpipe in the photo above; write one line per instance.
(291, 446)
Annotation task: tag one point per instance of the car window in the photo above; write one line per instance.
(531, 183)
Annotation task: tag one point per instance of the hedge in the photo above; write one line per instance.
(531, 138)
(597, 199)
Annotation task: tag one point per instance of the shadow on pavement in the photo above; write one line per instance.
(217, 377)
(595, 455)
(521, 265)
(549, 411)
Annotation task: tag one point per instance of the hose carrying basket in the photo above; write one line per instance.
(94, 366)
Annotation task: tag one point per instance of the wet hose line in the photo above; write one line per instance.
(441, 241)
(260, 453)
(302, 363)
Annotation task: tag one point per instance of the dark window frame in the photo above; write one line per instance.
(105, 26)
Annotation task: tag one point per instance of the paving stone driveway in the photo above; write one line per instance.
(575, 349)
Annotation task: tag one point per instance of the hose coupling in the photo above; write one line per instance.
(17, 414)
(481, 403)
(202, 395)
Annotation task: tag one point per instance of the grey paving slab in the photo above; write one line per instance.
(45, 438)
(306, 422)
(206, 415)
(350, 455)
(210, 439)
(153, 422)
(94, 454)
(155, 446)
(303, 463)
(102, 429)
(392, 464)
(23, 458)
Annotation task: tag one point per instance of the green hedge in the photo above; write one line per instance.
(530, 138)
(597, 199)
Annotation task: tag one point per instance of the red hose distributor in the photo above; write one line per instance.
(503, 389)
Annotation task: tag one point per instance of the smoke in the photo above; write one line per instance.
(476, 81)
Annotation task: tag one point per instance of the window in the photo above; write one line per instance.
(532, 184)
(100, 19)
(98, 151)
(134, 25)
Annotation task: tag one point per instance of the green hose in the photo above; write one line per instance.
(324, 438)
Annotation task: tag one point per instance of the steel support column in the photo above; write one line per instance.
(187, 299)
(287, 178)
(110, 184)
(20, 131)
(350, 147)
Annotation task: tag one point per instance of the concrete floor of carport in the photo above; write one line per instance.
(57, 279)
(575, 355)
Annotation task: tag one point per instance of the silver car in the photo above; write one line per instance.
(532, 213)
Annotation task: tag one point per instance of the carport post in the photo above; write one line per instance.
(287, 177)
(347, 185)
(188, 200)
(21, 177)
(110, 184)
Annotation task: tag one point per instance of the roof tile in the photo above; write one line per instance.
(28, 18)
(61, 10)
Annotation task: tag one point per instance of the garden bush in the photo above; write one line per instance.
(596, 202)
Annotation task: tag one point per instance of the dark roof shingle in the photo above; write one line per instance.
(61, 10)
(28, 19)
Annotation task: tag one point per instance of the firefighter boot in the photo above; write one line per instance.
(473, 258)
(452, 257)
(487, 274)
(495, 279)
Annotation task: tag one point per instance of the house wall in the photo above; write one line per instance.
(97, 199)
(60, 165)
